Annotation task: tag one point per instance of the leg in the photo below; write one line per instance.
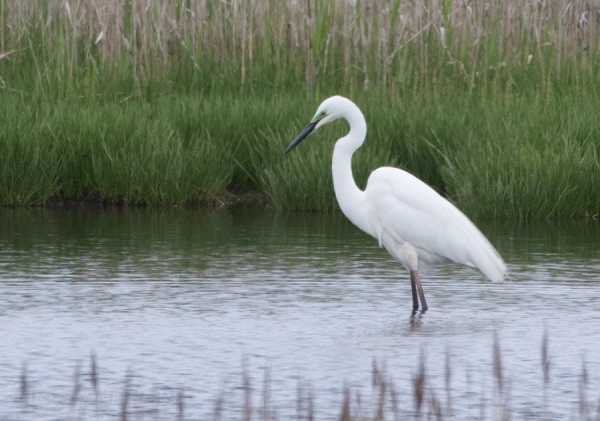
(421, 293)
(413, 284)
(408, 256)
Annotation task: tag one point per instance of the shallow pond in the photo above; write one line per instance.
(178, 304)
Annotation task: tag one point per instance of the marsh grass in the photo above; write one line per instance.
(421, 398)
(359, 44)
(137, 102)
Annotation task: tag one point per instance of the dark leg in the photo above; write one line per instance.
(414, 276)
(421, 293)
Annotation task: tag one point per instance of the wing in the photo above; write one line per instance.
(407, 209)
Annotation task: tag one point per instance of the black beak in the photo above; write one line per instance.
(303, 135)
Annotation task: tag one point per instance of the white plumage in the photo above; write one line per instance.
(406, 216)
(406, 209)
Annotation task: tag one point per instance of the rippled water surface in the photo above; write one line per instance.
(180, 301)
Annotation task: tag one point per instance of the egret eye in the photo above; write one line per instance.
(319, 117)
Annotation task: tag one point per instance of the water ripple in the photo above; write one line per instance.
(179, 299)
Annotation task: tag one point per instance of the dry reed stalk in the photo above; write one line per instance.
(419, 384)
(394, 401)
(436, 407)
(380, 412)
(376, 375)
(243, 43)
(379, 382)
(545, 360)
(180, 405)
(125, 397)
(448, 382)
(357, 411)
(247, 387)
(218, 407)
(24, 385)
(345, 414)
(308, 44)
(427, 404)
(267, 412)
(2, 24)
(311, 407)
(497, 363)
(76, 384)
(300, 401)
(545, 354)
(94, 373)
(583, 383)
(368, 36)
(6, 55)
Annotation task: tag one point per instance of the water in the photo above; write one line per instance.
(181, 301)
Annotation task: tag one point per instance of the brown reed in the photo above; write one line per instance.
(358, 42)
(419, 384)
(125, 398)
(76, 384)
(94, 373)
(385, 403)
(497, 361)
(345, 413)
(24, 385)
(180, 405)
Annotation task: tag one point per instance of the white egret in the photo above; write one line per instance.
(406, 216)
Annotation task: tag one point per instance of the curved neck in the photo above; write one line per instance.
(348, 195)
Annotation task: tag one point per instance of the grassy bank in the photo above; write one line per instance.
(136, 102)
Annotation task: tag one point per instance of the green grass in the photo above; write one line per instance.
(135, 153)
(505, 125)
(519, 158)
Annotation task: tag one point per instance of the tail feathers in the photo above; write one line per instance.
(489, 262)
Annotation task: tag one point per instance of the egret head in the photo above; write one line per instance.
(330, 110)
